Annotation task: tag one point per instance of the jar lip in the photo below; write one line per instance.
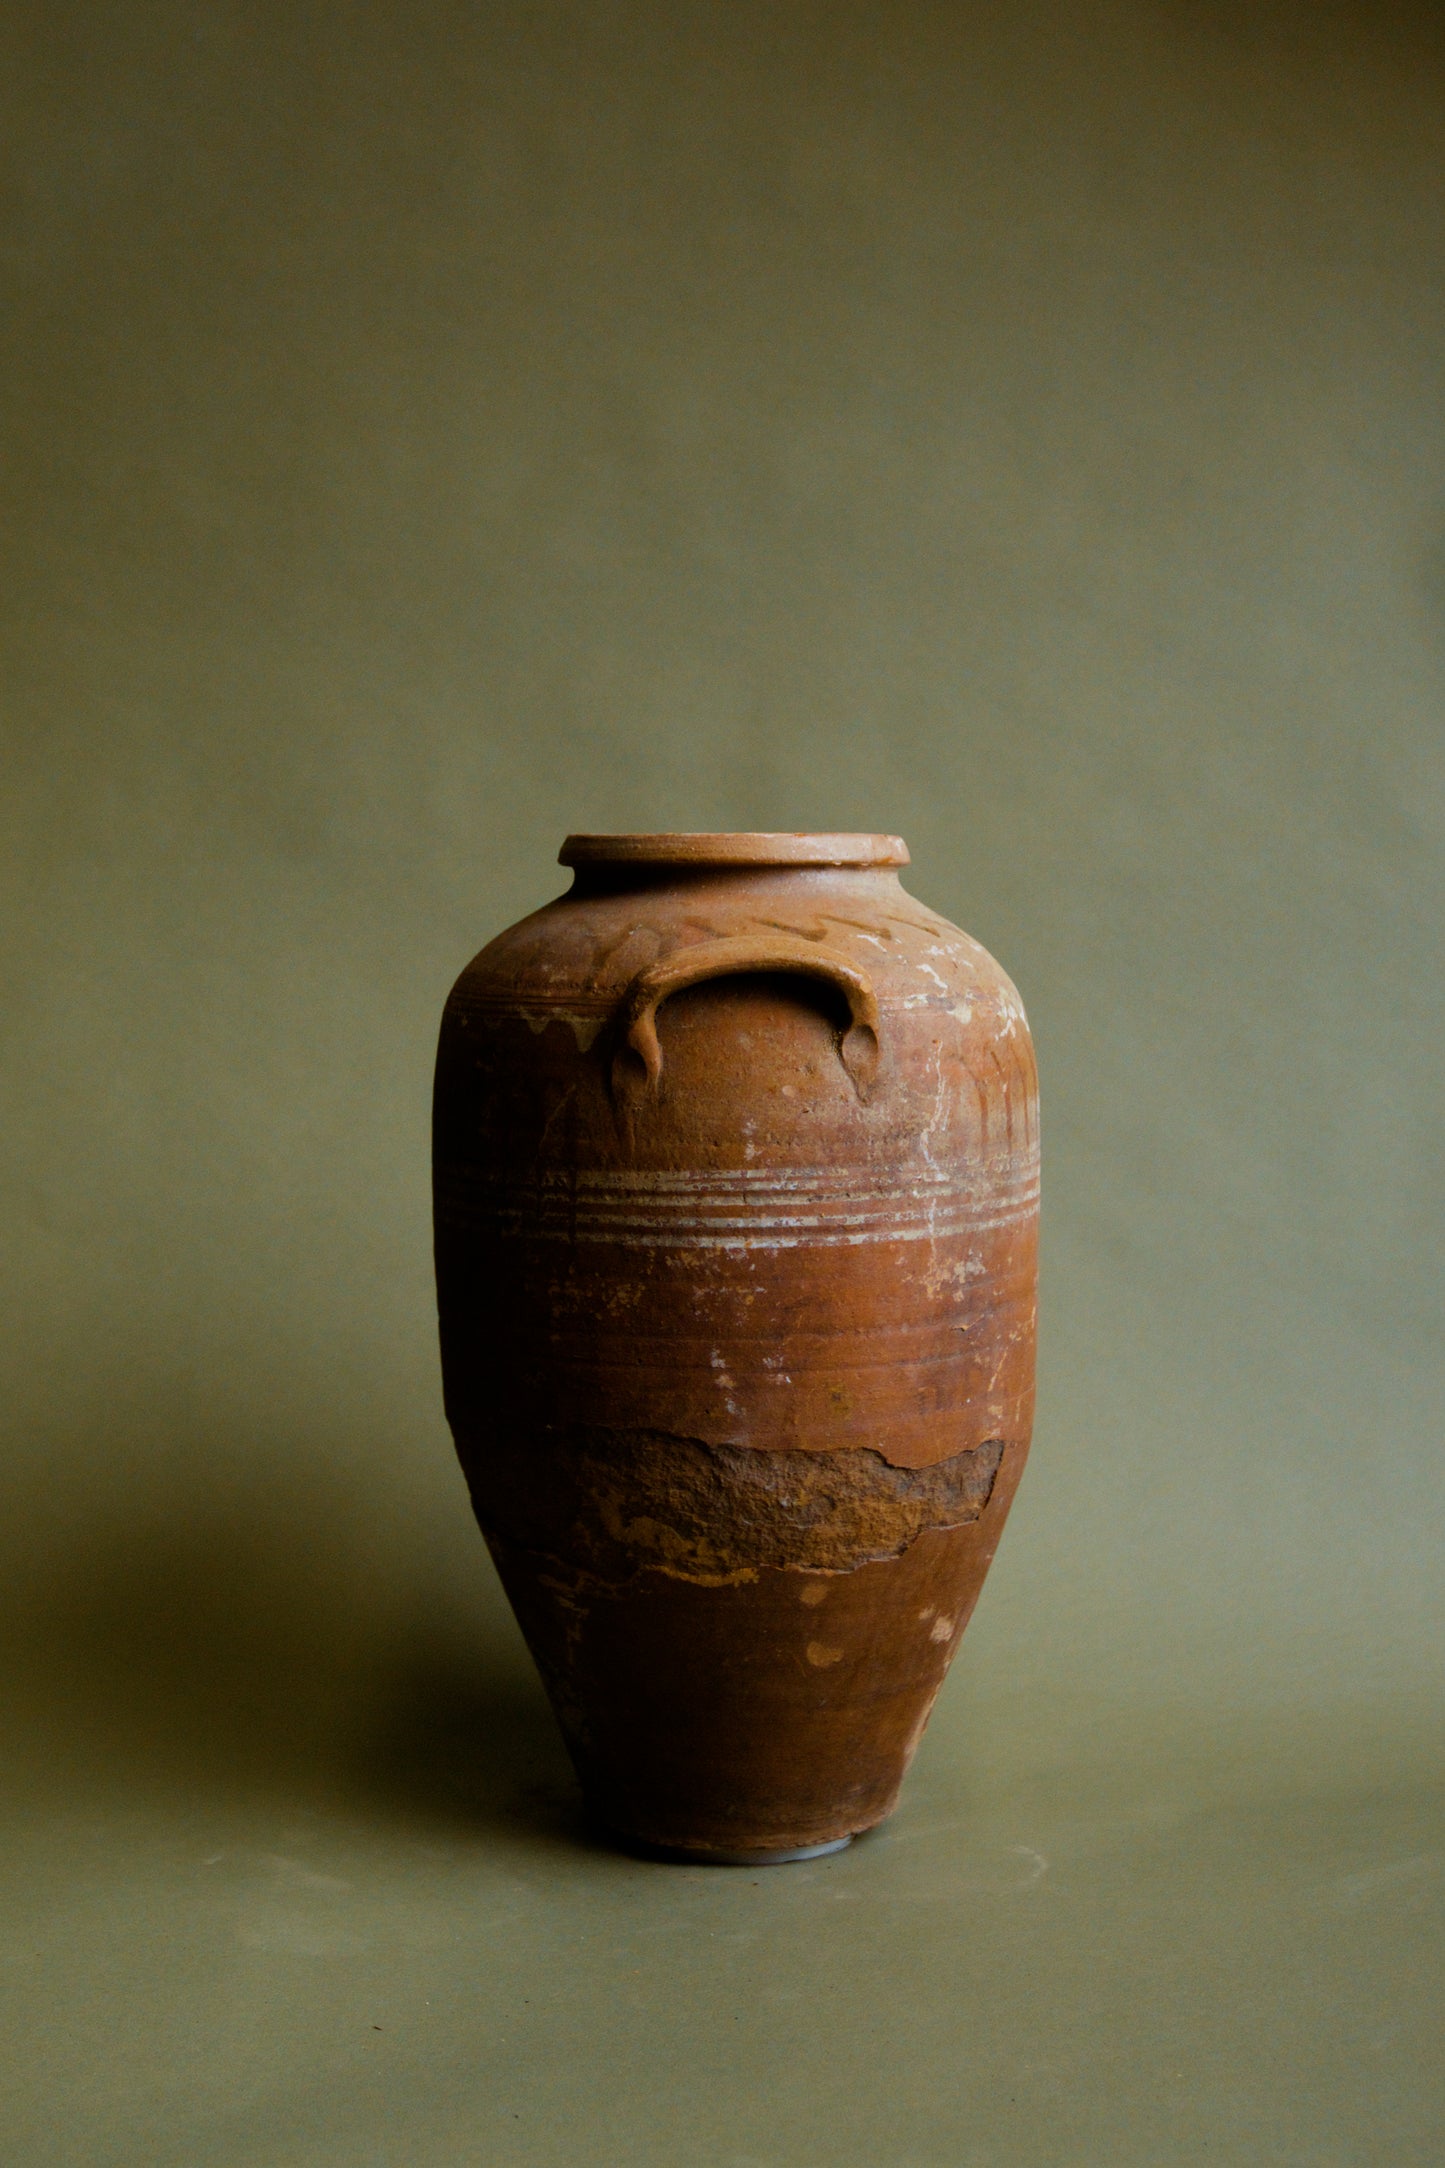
(737, 849)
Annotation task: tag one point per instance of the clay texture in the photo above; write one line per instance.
(736, 1157)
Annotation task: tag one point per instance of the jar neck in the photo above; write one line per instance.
(644, 879)
(735, 847)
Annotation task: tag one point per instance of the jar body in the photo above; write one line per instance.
(736, 1176)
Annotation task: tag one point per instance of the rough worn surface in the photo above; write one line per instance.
(736, 1158)
(614, 1503)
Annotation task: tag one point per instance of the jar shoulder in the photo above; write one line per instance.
(581, 952)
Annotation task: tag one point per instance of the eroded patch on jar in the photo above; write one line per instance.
(822, 1657)
(615, 1502)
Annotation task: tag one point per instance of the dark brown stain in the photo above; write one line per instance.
(751, 1716)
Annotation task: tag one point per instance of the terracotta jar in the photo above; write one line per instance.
(736, 1200)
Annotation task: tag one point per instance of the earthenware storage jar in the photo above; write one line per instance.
(736, 1156)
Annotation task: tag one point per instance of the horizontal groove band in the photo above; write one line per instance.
(735, 1209)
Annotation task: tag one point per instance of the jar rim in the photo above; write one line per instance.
(733, 849)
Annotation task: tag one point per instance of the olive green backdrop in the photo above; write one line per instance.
(428, 429)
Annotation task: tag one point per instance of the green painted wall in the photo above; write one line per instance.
(428, 430)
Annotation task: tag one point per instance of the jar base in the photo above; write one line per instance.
(688, 1856)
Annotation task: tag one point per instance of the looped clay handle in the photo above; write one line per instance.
(858, 1050)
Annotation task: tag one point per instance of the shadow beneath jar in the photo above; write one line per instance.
(460, 1742)
(265, 1639)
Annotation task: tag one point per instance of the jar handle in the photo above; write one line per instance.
(858, 1050)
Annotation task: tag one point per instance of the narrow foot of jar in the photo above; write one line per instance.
(687, 1856)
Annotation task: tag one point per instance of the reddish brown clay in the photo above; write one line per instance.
(736, 1162)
